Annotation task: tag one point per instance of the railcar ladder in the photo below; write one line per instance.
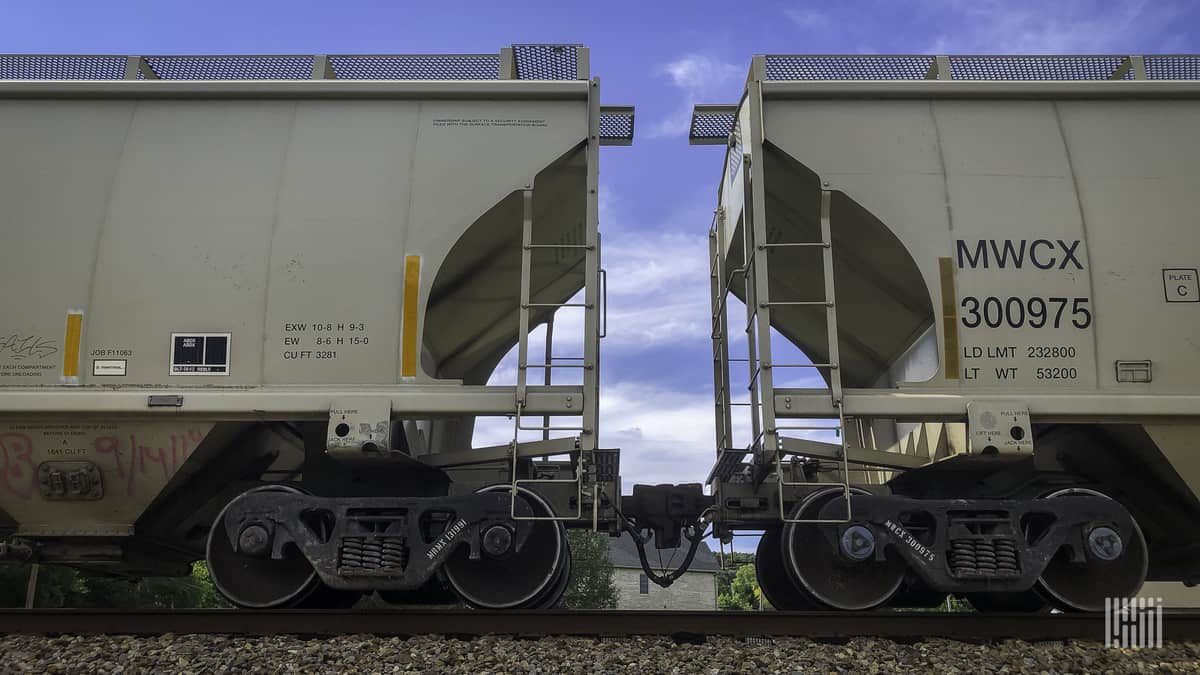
(767, 445)
(833, 366)
(528, 246)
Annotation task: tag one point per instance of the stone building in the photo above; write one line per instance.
(696, 589)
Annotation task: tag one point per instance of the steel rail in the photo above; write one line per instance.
(1176, 625)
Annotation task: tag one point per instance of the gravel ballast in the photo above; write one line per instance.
(370, 654)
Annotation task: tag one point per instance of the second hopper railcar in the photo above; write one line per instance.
(984, 272)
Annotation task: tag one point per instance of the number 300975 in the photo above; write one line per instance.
(1035, 312)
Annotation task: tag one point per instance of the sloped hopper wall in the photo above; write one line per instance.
(883, 304)
(472, 317)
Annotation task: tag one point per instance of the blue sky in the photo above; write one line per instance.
(658, 195)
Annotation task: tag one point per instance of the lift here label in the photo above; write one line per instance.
(1024, 311)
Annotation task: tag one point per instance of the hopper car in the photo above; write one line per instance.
(252, 306)
(955, 321)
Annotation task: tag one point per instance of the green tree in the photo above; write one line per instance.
(744, 592)
(194, 590)
(209, 595)
(65, 587)
(56, 586)
(730, 563)
(591, 585)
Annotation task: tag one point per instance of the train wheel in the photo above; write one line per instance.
(1116, 566)
(773, 579)
(836, 579)
(258, 581)
(509, 579)
(554, 594)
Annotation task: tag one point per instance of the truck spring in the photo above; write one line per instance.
(962, 557)
(372, 553)
(352, 553)
(985, 556)
(1006, 557)
(395, 553)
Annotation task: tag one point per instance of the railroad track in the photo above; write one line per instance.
(816, 625)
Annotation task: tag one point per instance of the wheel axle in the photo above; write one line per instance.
(254, 540)
(1104, 543)
(858, 543)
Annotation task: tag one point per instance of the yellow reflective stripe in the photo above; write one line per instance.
(949, 318)
(71, 342)
(408, 339)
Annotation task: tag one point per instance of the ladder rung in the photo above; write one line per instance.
(831, 366)
(808, 428)
(584, 246)
(788, 483)
(549, 428)
(585, 366)
(556, 304)
(795, 303)
(785, 244)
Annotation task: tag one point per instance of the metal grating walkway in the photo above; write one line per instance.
(616, 125)
(520, 62)
(715, 124)
(804, 67)
(1066, 67)
(712, 124)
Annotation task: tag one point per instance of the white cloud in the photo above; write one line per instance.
(665, 436)
(808, 19)
(1063, 27)
(697, 72)
(701, 78)
(655, 298)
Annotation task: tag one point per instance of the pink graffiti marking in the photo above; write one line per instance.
(17, 473)
(137, 459)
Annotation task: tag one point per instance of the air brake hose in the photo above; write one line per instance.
(665, 580)
(694, 533)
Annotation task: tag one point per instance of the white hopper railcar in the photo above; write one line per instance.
(251, 305)
(989, 265)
